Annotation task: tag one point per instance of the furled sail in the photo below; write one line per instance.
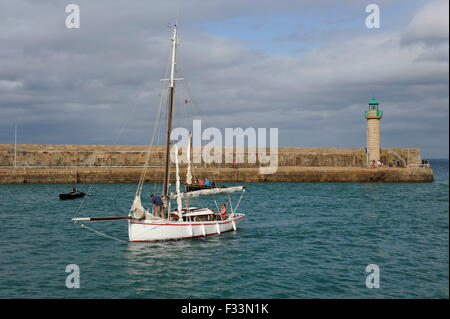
(137, 208)
(209, 192)
(189, 174)
(179, 202)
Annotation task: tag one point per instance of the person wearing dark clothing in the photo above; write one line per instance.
(158, 205)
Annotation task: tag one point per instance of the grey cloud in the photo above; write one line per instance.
(79, 86)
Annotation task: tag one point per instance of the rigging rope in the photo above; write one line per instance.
(115, 143)
(107, 166)
(155, 130)
(149, 149)
(102, 234)
(237, 205)
(147, 158)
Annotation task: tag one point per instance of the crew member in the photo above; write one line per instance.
(223, 211)
(158, 205)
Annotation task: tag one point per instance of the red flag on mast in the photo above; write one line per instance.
(186, 101)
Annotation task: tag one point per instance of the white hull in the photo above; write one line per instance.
(154, 230)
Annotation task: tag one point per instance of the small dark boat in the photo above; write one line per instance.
(72, 195)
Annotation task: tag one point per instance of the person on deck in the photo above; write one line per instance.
(207, 182)
(213, 184)
(74, 190)
(223, 211)
(201, 182)
(158, 206)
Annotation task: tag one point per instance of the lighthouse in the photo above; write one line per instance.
(373, 116)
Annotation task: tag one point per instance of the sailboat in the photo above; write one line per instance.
(183, 221)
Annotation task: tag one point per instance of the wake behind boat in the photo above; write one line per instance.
(164, 222)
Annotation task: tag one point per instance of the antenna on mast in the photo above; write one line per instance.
(178, 16)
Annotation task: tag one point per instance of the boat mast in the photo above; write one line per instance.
(169, 120)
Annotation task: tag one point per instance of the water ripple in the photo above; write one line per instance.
(302, 240)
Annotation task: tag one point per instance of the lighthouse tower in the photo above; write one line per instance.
(373, 116)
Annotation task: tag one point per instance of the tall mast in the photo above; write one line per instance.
(169, 117)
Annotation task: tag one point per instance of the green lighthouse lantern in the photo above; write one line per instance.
(374, 111)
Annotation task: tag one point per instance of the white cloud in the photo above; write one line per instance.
(430, 24)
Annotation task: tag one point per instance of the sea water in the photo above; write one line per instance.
(299, 240)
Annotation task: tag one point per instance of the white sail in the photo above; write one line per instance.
(209, 192)
(179, 202)
(137, 208)
(189, 174)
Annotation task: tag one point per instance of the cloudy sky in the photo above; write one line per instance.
(308, 68)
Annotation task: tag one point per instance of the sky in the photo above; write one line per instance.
(308, 68)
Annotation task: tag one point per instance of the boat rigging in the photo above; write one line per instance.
(184, 221)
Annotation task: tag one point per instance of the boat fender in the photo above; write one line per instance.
(218, 228)
(203, 230)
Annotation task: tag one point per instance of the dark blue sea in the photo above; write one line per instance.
(299, 240)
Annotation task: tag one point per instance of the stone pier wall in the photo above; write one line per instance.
(66, 156)
(123, 164)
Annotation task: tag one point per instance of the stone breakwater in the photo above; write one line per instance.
(123, 164)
